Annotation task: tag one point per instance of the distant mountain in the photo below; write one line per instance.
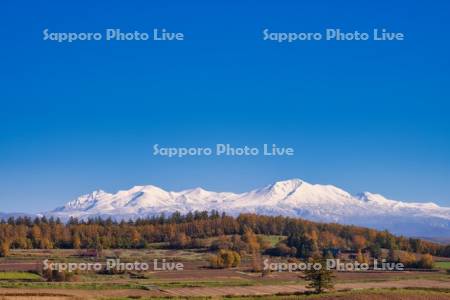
(6, 216)
(295, 198)
(439, 240)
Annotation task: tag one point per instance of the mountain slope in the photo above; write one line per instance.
(294, 198)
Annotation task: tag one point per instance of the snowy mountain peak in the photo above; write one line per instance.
(96, 194)
(370, 197)
(367, 197)
(287, 186)
(85, 201)
(295, 198)
(195, 191)
(144, 188)
(280, 188)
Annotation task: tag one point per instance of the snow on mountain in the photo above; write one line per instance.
(295, 198)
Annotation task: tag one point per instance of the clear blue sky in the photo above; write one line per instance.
(364, 116)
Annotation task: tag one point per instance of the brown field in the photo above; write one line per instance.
(197, 280)
(43, 294)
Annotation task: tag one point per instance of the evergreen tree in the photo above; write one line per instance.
(320, 279)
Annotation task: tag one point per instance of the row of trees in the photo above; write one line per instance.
(305, 238)
(410, 260)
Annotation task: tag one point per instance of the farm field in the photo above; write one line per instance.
(20, 279)
(444, 265)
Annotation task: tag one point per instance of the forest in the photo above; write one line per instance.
(302, 238)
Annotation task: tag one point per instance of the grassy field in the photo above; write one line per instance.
(19, 276)
(70, 285)
(273, 239)
(443, 265)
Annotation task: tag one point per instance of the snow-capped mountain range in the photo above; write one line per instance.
(294, 198)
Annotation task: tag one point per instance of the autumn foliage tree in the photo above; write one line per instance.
(241, 234)
(225, 259)
(4, 248)
(426, 262)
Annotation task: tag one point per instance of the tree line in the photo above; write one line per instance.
(182, 231)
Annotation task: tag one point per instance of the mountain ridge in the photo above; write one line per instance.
(293, 198)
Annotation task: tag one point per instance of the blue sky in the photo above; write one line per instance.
(365, 116)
